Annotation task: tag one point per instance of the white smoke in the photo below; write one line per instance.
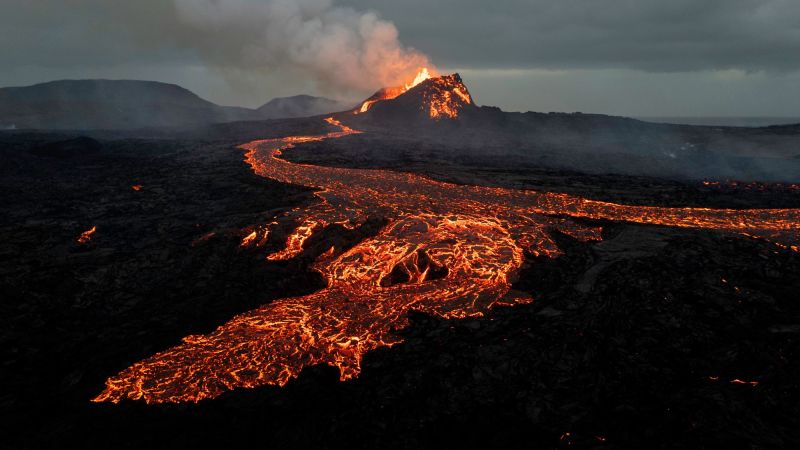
(339, 48)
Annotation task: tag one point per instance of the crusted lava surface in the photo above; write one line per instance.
(648, 336)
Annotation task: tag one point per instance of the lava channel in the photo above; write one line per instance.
(448, 250)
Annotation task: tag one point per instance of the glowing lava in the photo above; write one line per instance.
(249, 239)
(448, 250)
(393, 92)
(86, 236)
(421, 76)
(446, 97)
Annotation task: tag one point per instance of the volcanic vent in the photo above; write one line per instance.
(443, 97)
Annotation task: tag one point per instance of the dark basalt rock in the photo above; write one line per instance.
(80, 146)
(632, 342)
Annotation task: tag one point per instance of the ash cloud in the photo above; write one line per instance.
(340, 48)
(643, 57)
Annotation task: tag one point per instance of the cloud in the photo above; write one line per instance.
(650, 35)
(244, 51)
(341, 48)
(342, 44)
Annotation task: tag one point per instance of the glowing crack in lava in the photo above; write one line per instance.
(448, 250)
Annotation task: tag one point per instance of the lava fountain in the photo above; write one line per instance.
(448, 250)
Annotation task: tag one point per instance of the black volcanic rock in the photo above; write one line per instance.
(79, 146)
(632, 342)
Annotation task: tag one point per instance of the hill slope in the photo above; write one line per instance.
(129, 104)
(300, 106)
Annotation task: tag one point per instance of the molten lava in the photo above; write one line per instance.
(249, 239)
(448, 250)
(86, 236)
(445, 97)
(393, 92)
(421, 76)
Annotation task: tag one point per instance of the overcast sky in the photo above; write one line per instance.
(628, 57)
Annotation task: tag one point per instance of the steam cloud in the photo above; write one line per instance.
(340, 48)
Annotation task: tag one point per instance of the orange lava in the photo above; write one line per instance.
(447, 250)
(444, 101)
(249, 239)
(738, 381)
(86, 236)
(448, 99)
(393, 92)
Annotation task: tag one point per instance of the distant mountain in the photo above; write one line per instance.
(751, 122)
(129, 104)
(300, 106)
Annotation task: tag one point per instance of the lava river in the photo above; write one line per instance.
(448, 250)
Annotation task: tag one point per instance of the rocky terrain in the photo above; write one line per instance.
(485, 136)
(652, 338)
(447, 162)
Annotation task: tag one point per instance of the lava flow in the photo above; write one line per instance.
(448, 250)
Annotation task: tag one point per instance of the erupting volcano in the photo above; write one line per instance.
(439, 97)
(448, 250)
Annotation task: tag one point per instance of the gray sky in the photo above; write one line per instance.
(629, 57)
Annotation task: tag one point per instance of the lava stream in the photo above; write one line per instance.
(448, 250)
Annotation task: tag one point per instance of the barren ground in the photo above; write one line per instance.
(632, 342)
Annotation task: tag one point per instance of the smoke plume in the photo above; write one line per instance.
(341, 49)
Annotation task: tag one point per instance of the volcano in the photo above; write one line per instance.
(440, 111)
(444, 97)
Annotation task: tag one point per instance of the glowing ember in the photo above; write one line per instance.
(137, 187)
(86, 236)
(447, 250)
